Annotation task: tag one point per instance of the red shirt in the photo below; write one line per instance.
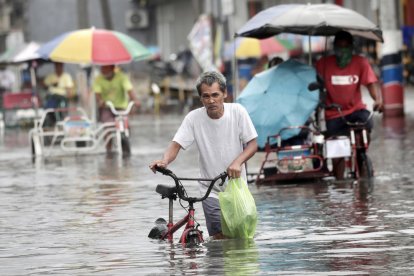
(344, 84)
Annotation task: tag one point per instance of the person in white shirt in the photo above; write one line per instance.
(225, 137)
(7, 79)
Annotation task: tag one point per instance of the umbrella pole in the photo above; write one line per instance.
(93, 97)
(235, 75)
(35, 100)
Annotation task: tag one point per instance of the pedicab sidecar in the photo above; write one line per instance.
(62, 131)
(300, 160)
(281, 106)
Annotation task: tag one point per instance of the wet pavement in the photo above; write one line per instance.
(90, 215)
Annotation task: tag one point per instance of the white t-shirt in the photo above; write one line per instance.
(219, 141)
(7, 80)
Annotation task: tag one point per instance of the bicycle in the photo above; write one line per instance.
(122, 128)
(359, 165)
(191, 235)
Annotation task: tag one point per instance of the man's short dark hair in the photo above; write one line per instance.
(343, 35)
(209, 78)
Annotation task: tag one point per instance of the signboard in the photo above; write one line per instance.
(201, 42)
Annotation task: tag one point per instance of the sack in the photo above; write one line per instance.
(238, 210)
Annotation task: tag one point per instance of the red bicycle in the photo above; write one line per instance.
(164, 230)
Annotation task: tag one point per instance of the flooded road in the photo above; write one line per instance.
(90, 215)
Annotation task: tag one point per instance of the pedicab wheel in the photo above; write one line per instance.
(125, 144)
(35, 145)
(32, 146)
(365, 166)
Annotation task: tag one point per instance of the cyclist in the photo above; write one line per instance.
(115, 86)
(220, 131)
(344, 73)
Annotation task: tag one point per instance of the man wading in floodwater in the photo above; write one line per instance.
(225, 137)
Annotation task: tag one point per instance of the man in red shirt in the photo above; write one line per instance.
(344, 74)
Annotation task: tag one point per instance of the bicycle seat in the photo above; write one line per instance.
(167, 191)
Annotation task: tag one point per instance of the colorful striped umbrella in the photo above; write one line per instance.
(94, 46)
(245, 47)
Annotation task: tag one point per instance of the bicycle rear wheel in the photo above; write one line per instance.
(365, 166)
(159, 230)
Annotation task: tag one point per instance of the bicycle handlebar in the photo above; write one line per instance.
(118, 112)
(180, 188)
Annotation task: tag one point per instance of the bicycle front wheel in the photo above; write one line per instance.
(125, 144)
(365, 166)
(193, 238)
(36, 146)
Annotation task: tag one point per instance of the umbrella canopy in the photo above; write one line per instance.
(29, 52)
(23, 53)
(94, 46)
(289, 45)
(278, 98)
(307, 19)
(6, 56)
(245, 47)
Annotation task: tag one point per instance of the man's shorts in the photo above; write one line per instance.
(338, 127)
(211, 207)
(106, 115)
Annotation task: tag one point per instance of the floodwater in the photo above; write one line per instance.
(90, 215)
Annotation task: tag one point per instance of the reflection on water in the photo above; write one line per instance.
(394, 127)
(84, 215)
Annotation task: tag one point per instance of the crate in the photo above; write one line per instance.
(12, 103)
(17, 100)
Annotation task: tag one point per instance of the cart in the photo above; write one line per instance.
(72, 132)
(291, 162)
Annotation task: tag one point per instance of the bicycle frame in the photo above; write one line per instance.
(190, 230)
(359, 142)
(121, 123)
(358, 137)
(187, 220)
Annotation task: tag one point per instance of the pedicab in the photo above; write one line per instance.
(281, 108)
(309, 157)
(72, 132)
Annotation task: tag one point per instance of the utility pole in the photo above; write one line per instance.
(106, 14)
(83, 14)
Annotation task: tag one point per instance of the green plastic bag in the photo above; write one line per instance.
(238, 210)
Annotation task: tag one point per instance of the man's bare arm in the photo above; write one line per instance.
(134, 98)
(234, 170)
(169, 155)
(373, 91)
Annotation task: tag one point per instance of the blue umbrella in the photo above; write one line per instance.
(278, 98)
